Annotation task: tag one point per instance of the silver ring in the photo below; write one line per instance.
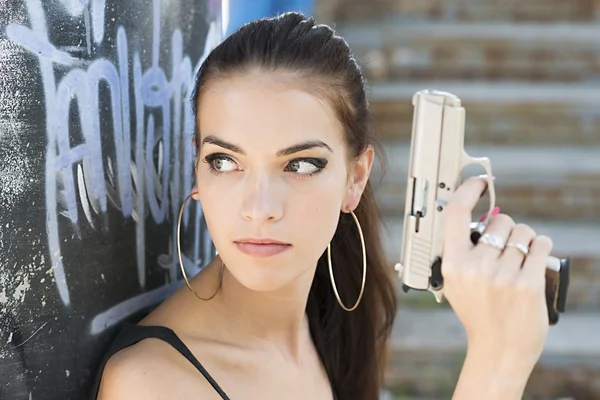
(520, 246)
(492, 240)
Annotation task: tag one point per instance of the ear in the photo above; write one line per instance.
(194, 191)
(358, 176)
(195, 142)
(195, 195)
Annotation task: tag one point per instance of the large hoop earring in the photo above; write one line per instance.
(181, 259)
(364, 277)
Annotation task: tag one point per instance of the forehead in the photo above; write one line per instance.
(267, 110)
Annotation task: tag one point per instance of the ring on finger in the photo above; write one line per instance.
(492, 240)
(519, 246)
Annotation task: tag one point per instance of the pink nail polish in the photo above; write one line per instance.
(495, 211)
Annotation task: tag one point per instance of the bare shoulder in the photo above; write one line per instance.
(146, 370)
(130, 373)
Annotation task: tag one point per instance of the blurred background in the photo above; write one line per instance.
(95, 162)
(528, 75)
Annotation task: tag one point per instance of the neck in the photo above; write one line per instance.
(264, 320)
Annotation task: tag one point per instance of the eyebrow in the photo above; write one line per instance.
(310, 144)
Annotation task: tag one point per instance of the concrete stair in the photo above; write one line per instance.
(543, 182)
(428, 349)
(478, 50)
(461, 10)
(499, 113)
(528, 74)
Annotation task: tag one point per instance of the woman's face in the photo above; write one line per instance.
(273, 168)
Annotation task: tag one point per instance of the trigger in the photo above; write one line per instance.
(436, 281)
(477, 229)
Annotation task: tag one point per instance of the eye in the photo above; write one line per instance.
(220, 163)
(306, 166)
(223, 164)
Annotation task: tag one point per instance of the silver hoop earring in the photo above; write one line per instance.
(364, 277)
(181, 259)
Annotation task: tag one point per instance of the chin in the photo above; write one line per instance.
(272, 281)
(269, 274)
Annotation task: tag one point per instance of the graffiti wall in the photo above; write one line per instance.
(95, 161)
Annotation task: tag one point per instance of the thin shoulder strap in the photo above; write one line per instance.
(130, 334)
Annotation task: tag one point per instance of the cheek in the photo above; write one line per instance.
(217, 207)
(316, 214)
(318, 202)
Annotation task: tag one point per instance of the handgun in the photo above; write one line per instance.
(437, 159)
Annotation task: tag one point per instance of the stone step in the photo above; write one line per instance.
(579, 241)
(466, 51)
(499, 113)
(427, 352)
(535, 182)
(459, 10)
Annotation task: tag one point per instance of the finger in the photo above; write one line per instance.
(512, 258)
(458, 215)
(534, 266)
(501, 225)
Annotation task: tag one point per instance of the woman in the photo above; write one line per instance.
(284, 151)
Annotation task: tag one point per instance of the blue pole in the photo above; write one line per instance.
(244, 11)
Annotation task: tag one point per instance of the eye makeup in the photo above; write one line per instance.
(216, 161)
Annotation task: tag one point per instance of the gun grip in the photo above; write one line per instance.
(557, 284)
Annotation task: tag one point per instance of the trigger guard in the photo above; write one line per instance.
(488, 177)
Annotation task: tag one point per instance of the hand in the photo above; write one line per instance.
(498, 295)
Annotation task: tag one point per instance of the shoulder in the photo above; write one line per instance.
(129, 373)
(144, 371)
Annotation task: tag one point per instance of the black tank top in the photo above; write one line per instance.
(130, 334)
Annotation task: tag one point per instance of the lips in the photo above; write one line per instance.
(261, 247)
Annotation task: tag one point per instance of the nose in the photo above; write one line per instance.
(263, 198)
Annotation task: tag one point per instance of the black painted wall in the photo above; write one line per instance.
(95, 161)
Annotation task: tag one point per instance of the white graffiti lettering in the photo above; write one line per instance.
(134, 185)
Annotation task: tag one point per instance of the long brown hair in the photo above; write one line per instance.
(352, 345)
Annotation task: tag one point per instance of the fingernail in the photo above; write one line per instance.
(484, 176)
(495, 211)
